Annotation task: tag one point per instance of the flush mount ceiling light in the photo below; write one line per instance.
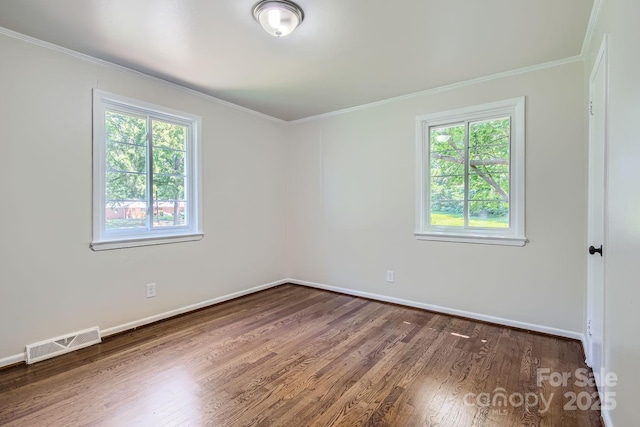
(278, 17)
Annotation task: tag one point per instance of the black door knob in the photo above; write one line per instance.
(593, 250)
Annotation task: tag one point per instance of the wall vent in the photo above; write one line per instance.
(60, 345)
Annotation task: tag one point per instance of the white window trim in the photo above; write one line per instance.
(106, 240)
(515, 234)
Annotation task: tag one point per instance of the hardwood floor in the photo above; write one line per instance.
(294, 356)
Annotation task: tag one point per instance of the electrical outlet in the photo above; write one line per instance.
(391, 276)
(151, 290)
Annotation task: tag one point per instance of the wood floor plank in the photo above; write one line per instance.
(295, 356)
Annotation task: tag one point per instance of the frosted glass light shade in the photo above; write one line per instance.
(278, 17)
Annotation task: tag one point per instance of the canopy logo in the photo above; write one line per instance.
(499, 400)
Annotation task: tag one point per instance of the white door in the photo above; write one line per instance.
(596, 234)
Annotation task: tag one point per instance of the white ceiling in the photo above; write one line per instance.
(345, 53)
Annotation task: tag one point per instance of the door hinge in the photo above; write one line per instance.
(591, 108)
(589, 327)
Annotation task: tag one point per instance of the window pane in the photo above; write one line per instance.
(488, 214)
(169, 198)
(125, 214)
(126, 157)
(169, 145)
(125, 128)
(125, 179)
(169, 135)
(167, 161)
(126, 186)
(440, 166)
(489, 133)
(489, 173)
(448, 213)
(488, 186)
(447, 140)
(164, 213)
(447, 162)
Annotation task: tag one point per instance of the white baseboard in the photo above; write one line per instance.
(12, 360)
(587, 358)
(192, 307)
(17, 358)
(468, 314)
(471, 315)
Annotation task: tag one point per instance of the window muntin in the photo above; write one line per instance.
(471, 174)
(146, 181)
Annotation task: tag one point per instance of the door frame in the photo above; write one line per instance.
(602, 60)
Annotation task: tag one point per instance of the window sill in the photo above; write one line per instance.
(106, 245)
(482, 239)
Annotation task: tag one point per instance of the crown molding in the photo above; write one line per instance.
(121, 68)
(444, 88)
(88, 58)
(591, 27)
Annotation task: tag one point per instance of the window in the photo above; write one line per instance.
(470, 174)
(146, 176)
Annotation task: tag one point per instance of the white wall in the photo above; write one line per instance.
(351, 206)
(618, 18)
(51, 282)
